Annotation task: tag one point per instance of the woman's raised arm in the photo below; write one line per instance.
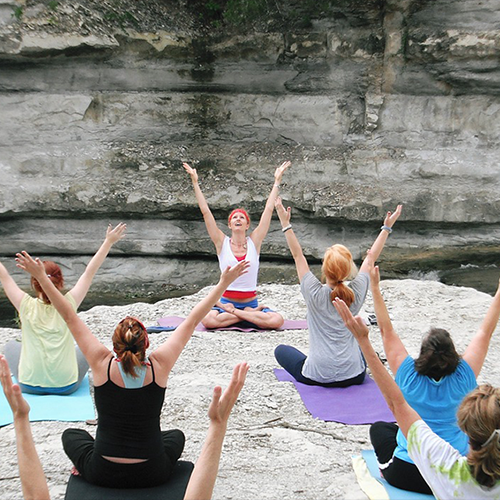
(260, 232)
(403, 412)
(393, 346)
(216, 235)
(478, 347)
(92, 349)
(385, 230)
(202, 480)
(167, 354)
(79, 291)
(293, 243)
(13, 292)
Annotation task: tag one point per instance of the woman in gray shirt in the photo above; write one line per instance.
(335, 359)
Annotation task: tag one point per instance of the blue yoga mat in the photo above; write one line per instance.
(394, 493)
(72, 408)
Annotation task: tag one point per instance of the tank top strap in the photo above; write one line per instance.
(152, 369)
(109, 366)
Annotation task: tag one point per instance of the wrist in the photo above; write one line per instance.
(286, 228)
(384, 227)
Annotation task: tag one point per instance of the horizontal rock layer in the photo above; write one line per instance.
(385, 103)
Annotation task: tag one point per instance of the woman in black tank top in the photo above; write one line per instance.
(130, 450)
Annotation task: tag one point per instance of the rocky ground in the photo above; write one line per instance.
(274, 449)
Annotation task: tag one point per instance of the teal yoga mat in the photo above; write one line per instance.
(394, 493)
(72, 408)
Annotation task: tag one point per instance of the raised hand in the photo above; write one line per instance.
(278, 173)
(356, 325)
(191, 171)
(222, 403)
(32, 266)
(391, 218)
(283, 214)
(231, 273)
(114, 234)
(18, 405)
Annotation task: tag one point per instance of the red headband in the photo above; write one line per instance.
(241, 211)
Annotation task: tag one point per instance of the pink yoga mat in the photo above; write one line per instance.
(289, 324)
(354, 405)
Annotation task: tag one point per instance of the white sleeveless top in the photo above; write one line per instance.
(247, 282)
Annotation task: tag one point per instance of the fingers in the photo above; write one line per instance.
(237, 381)
(212, 409)
(242, 267)
(5, 377)
(342, 309)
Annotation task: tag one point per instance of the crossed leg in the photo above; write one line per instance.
(232, 315)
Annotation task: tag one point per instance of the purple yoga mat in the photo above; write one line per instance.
(289, 324)
(354, 405)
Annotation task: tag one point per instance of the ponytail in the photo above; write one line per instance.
(130, 341)
(337, 267)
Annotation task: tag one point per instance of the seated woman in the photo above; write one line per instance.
(334, 358)
(239, 303)
(130, 450)
(202, 480)
(46, 361)
(434, 385)
(448, 474)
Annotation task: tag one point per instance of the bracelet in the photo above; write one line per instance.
(286, 228)
(276, 185)
(386, 228)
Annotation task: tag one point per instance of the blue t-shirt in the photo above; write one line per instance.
(436, 402)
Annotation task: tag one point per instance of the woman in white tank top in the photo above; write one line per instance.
(239, 303)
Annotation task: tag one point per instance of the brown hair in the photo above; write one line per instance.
(130, 341)
(337, 267)
(438, 356)
(54, 273)
(479, 416)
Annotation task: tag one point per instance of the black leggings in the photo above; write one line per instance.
(79, 446)
(399, 473)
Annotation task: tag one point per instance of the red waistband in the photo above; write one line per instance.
(235, 294)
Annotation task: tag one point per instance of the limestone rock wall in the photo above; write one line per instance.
(380, 103)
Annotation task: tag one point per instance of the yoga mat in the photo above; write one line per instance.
(173, 322)
(354, 405)
(372, 492)
(75, 407)
(174, 489)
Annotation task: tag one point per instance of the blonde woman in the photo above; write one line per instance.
(334, 358)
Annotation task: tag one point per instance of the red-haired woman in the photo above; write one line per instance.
(130, 450)
(46, 361)
(239, 303)
(334, 359)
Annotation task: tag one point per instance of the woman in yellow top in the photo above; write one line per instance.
(46, 361)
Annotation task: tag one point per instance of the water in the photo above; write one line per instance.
(481, 277)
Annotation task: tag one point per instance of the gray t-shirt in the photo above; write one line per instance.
(334, 354)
